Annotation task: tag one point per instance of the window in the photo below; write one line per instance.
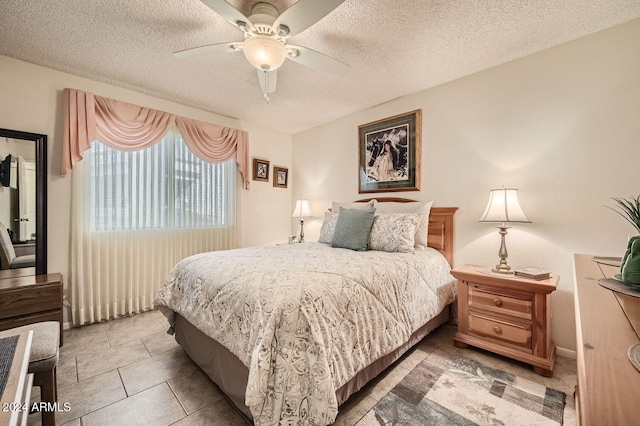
(162, 187)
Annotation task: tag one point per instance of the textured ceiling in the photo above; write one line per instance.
(394, 48)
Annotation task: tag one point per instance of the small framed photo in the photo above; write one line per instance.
(260, 170)
(390, 153)
(280, 177)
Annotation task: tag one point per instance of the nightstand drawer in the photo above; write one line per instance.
(520, 306)
(24, 301)
(516, 334)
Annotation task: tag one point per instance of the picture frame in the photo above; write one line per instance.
(260, 170)
(390, 152)
(280, 177)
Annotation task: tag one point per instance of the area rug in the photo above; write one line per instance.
(466, 392)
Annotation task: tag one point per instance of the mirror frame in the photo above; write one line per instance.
(41, 192)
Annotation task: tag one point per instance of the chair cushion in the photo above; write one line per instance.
(25, 261)
(44, 346)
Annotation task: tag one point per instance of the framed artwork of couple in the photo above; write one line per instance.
(390, 152)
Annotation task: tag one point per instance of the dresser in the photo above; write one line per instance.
(27, 299)
(607, 324)
(507, 315)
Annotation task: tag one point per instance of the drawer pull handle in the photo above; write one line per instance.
(497, 302)
(497, 329)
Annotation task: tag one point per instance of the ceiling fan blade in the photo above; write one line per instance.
(210, 49)
(267, 80)
(304, 14)
(317, 60)
(228, 12)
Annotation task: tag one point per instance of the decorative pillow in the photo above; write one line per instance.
(335, 207)
(394, 232)
(421, 208)
(353, 228)
(328, 227)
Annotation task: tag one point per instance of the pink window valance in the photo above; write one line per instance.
(129, 127)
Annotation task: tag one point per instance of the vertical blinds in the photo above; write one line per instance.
(164, 186)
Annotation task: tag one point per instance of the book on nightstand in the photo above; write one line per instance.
(533, 273)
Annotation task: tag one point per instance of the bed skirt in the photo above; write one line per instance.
(228, 372)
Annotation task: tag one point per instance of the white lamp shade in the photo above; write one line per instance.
(503, 206)
(264, 53)
(303, 209)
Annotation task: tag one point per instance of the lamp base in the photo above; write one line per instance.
(502, 269)
(301, 239)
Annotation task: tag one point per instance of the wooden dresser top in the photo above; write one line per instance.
(29, 280)
(608, 384)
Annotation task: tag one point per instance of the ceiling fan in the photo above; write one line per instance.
(266, 34)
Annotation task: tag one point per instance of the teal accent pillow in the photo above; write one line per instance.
(353, 228)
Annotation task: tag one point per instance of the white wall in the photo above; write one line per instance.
(562, 126)
(266, 210)
(31, 100)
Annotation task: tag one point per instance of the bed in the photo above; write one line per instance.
(289, 332)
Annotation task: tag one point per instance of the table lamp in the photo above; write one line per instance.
(302, 210)
(503, 208)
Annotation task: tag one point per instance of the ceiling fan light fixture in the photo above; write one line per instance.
(264, 53)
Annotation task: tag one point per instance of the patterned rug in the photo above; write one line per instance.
(466, 392)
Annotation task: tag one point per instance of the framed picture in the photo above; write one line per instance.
(260, 170)
(280, 177)
(390, 152)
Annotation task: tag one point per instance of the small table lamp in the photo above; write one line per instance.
(302, 210)
(503, 207)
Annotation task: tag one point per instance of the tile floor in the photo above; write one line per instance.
(131, 372)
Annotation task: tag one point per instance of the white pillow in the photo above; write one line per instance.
(421, 208)
(335, 207)
(328, 227)
(394, 232)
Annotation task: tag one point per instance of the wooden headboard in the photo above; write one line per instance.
(441, 226)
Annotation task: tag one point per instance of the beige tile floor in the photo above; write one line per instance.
(131, 372)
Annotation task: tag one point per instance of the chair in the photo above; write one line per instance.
(8, 258)
(43, 361)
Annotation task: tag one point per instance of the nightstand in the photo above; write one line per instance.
(507, 315)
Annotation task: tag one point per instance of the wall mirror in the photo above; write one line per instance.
(23, 196)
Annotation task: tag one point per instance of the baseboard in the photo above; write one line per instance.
(569, 353)
(66, 325)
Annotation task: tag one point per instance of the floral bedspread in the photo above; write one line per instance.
(305, 318)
